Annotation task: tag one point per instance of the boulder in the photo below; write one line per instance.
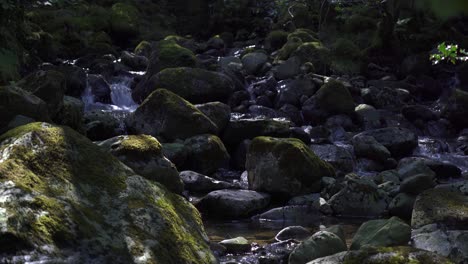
(135, 62)
(207, 154)
(239, 130)
(293, 232)
(416, 184)
(284, 166)
(65, 199)
(340, 158)
(291, 214)
(47, 85)
(167, 115)
(254, 61)
(321, 244)
(71, 114)
(144, 155)
(368, 147)
(399, 141)
(359, 197)
(402, 206)
(15, 101)
(99, 88)
(382, 233)
(456, 109)
(195, 85)
(290, 92)
(402, 255)
(217, 112)
(236, 245)
(335, 98)
(100, 125)
(197, 182)
(233, 203)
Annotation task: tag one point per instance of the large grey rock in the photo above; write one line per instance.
(218, 112)
(233, 203)
(368, 147)
(238, 130)
(207, 154)
(284, 166)
(340, 158)
(359, 198)
(319, 245)
(254, 61)
(293, 232)
(382, 233)
(399, 141)
(78, 204)
(402, 206)
(167, 115)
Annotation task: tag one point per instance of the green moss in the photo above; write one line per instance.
(172, 55)
(143, 48)
(285, 52)
(140, 144)
(304, 34)
(335, 98)
(276, 39)
(316, 53)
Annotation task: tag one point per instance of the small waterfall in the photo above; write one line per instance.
(121, 94)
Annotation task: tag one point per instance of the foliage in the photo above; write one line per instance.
(449, 53)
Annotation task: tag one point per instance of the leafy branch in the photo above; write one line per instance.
(449, 53)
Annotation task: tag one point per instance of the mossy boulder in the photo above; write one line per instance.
(319, 245)
(218, 112)
(195, 85)
(238, 130)
(71, 114)
(316, 53)
(285, 166)
(303, 34)
(100, 125)
(288, 48)
(207, 154)
(382, 233)
(335, 98)
(124, 21)
(166, 115)
(359, 198)
(144, 155)
(15, 101)
(438, 206)
(47, 85)
(65, 199)
(276, 39)
(390, 255)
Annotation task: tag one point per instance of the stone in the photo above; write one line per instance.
(254, 61)
(289, 69)
(15, 101)
(335, 98)
(71, 113)
(368, 147)
(402, 206)
(135, 62)
(399, 141)
(291, 214)
(417, 183)
(217, 112)
(382, 233)
(144, 155)
(233, 203)
(207, 154)
(99, 89)
(197, 86)
(319, 245)
(167, 115)
(100, 125)
(359, 197)
(384, 255)
(456, 109)
(197, 182)
(236, 245)
(368, 116)
(298, 233)
(78, 202)
(340, 158)
(284, 166)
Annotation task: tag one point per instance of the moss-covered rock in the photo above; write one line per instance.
(167, 115)
(288, 48)
(382, 233)
(218, 112)
(284, 166)
(315, 53)
(144, 155)
(347, 57)
(359, 198)
(390, 255)
(303, 34)
(64, 199)
(276, 39)
(195, 85)
(319, 245)
(15, 101)
(335, 98)
(207, 154)
(71, 114)
(438, 206)
(124, 21)
(47, 85)
(100, 125)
